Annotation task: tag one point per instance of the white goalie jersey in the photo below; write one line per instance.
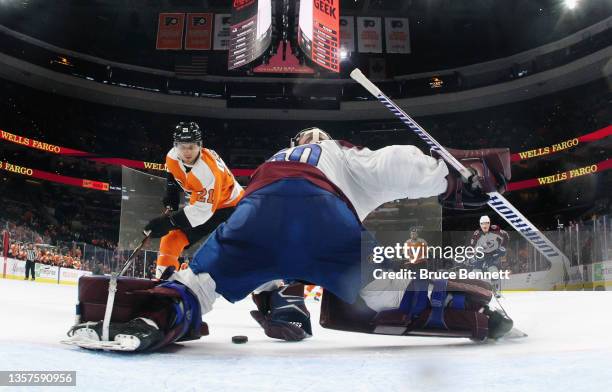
(369, 178)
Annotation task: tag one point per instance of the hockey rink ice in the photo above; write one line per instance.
(569, 348)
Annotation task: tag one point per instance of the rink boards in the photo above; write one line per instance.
(15, 269)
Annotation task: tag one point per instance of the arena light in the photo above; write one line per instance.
(570, 4)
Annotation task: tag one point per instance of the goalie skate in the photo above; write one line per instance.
(135, 335)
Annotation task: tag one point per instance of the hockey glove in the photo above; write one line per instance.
(490, 170)
(160, 226)
(282, 313)
(171, 202)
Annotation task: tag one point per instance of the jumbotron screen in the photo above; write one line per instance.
(319, 32)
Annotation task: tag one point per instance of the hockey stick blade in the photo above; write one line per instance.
(499, 203)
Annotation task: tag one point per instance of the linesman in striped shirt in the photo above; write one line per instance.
(31, 257)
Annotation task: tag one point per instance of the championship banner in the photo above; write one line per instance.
(319, 32)
(251, 31)
(369, 37)
(564, 145)
(347, 34)
(199, 30)
(397, 35)
(27, 142)
(222, 32)
(559, 177)
(43, 175)
(170, 31)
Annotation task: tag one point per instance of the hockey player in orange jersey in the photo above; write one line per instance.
(212, 193)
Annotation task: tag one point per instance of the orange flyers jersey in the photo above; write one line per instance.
(209, 183)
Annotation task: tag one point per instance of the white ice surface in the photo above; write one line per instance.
(569, 348)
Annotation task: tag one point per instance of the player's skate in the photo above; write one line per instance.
(282, 313)
(136, 335)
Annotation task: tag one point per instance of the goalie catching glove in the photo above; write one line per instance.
(490, 170)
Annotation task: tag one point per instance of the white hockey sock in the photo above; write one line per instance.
(202, 285)
(384, 294)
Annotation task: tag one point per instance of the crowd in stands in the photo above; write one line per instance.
(76, 255)
(47, 255)
(59, 213)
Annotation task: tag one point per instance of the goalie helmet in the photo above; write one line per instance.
(187, 132)
(313, 134)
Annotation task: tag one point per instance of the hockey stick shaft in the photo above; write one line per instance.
(112, 284)
(499, 203)
(112, 289)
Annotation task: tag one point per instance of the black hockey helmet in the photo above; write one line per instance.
(317, 135)
(187, 132)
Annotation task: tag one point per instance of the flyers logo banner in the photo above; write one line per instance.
(199, 31)
(170, 31)
(222, 31)
(369, 38)
(347, 33)
(397, 35)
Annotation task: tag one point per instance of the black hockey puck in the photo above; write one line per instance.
(239, 339)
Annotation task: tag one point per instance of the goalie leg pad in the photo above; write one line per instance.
(172, 307)
(188, 322)
(453, 309)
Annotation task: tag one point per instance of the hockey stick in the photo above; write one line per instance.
(112, 288)
(499, 203)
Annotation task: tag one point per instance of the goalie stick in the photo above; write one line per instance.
(112, 284)
(499, 203)
(112, 288)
